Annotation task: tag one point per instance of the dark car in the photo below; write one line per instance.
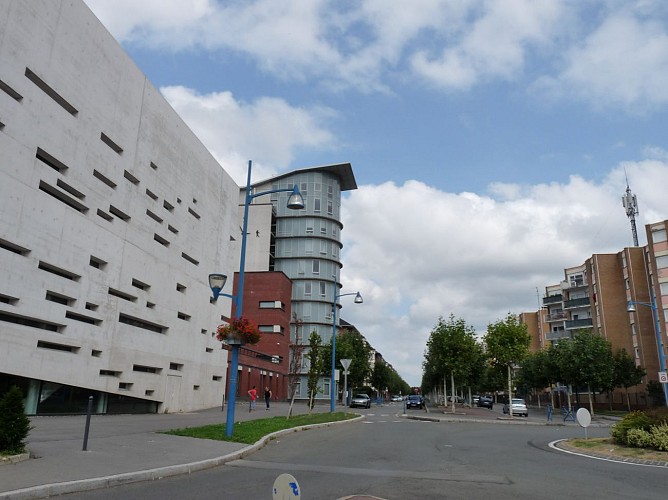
(485, 402)
(361, 400)
(415, 401)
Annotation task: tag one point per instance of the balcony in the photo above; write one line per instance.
(579, 323)
(561, 334)
(559, 316)
(583, 302)
(552, 299)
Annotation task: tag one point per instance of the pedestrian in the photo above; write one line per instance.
(267, 395)
(253, 396)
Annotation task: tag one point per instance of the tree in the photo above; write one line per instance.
(534, 373)
(381, 376)
(315, 369)
(587, 361)
(452, 352)
(627, 374)
(507, 343)
(14, 424)
(350, 344)
(296, 363)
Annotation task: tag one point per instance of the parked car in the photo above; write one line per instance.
(361, 400)
(519, 407)
(397, 398)
(415, 401)
(485, 402)
(458, 399)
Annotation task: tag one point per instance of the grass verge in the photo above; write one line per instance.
(252, 431)
(607, 447)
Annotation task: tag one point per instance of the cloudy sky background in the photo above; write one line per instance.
(491, 140)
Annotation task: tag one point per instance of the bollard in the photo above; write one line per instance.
(90, 410)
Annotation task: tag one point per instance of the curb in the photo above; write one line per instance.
(14, 459)
(54, 489)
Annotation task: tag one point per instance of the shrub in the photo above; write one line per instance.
(639, 438)
(659, 437)
(633, 420)
(658, 416)
(14, 424)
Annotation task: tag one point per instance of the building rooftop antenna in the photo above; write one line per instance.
(630, 204)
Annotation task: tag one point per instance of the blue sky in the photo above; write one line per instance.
(490, 140)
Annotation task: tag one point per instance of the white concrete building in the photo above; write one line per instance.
(112, 214)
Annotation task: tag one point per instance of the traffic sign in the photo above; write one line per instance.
(663, 377)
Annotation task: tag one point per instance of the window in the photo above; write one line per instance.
(308, 246)
(323, 289)
(140, 284)
(323, 247)
(309, 226)
(125, 386)
(658, 236)
(176, 366)
(330, 208)
(316, 205)
(330, 191)
(316, 267)
(115, 147)
(664, 288)
(303, 188)
(44, 87)
(662, 261)
(271, 304)
(307, 288)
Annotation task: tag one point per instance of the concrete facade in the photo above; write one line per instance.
(112, 214)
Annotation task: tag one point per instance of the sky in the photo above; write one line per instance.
(491, 140)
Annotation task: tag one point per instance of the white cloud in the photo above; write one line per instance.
(267, 131)
(623, 62)
(612, 54)
(417, 253)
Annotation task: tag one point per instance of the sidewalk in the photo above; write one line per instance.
(122, 448)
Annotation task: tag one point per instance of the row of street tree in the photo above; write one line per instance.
(362, 377)
(454, 356)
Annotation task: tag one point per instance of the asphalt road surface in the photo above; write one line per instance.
(391, 457)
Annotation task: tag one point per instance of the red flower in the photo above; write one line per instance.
(239, 331)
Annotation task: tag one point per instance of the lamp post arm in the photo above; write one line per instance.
(244, 233)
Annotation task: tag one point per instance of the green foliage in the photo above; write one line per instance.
(14, 424)
(639, 438)
(507, 341)
(452, 349)
(634, 420)
(659, 437)
(350, 344)
(252, 431)
(627, 374)
(315, 370)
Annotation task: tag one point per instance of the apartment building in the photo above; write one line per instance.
(596, 295)
(112, 215)
(305, 245)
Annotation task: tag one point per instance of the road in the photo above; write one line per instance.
(391, 457)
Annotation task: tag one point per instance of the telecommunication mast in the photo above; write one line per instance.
(631, 206)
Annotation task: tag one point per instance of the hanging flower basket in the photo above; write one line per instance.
(239, 331)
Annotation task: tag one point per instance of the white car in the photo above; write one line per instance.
(397, 398)
(519, 408)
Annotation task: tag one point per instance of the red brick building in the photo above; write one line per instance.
(266, 303)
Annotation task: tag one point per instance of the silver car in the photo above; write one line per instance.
(361, 400)
(519, 407)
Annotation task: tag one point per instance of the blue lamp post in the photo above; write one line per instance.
(659, 339)
(358, 300)
(217, 282)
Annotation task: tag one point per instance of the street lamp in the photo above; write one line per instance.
(659, 340)
(217, 281)
(332, 389)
